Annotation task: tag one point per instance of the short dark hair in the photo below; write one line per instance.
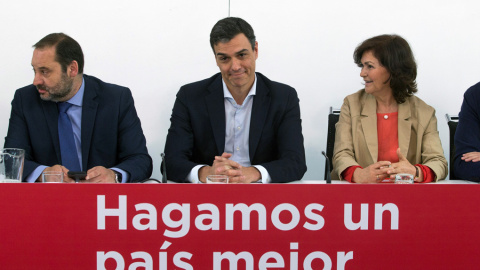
(66, 49)
(226, 29)
(393, 53)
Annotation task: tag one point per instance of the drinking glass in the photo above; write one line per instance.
(11, 165)
(52, 177)
(217, 179)
(403, 178)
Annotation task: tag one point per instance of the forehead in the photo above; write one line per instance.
(236, 44)
(369, 57)
(44, 57)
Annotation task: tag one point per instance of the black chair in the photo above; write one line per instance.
(163, 168)
(333, 117)
(452, 121)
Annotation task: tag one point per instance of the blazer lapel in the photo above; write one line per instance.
(369, 125)
(404, 127)
(216, 112)
(260, 108)
(50, 110)
(89, 112)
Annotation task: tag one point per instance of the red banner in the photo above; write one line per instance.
(214, 226)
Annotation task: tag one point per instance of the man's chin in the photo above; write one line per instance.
(239, 82)
(48, 97)
(45, 96)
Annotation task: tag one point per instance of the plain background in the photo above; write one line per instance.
(155, 46)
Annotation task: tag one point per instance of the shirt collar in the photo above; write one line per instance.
(252, 92)
(77, 99)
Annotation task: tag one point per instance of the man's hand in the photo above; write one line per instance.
(100, 174)
(222, 165)
(251, 174)
(472, 156)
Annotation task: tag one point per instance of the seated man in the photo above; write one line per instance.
(238, 122)
(467, 137)
(70, 121)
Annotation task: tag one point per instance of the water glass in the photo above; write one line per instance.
(403, 178)
(217, 179)
(11, 165)
(52, 177)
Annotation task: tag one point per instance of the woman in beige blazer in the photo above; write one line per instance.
(387, 109)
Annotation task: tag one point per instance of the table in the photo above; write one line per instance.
(214, 226)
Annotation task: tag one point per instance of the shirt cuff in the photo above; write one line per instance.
(265, 176)
(35, 174)
(192, 177)
(428, 173)
(347, 174)
(124, 174)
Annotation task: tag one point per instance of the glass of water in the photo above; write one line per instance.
(52, 177)
(217, 179)
(11, 165)
(403, 178)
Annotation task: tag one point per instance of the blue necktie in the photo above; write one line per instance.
(68, 149)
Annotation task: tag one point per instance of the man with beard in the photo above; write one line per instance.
(68, 121)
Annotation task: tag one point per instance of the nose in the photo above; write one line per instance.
(363, 72)
(236, 64)
(37, 79)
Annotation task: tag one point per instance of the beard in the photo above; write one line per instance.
(57, 92)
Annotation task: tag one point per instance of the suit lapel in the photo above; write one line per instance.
(89, 112)
(216, 112)
(404, 126)
(50, 110)
(369, 125)
(260, 108)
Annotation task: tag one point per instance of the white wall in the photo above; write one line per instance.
(155, 46)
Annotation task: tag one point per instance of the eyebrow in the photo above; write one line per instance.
(42, 67)
(244, 50)
(224, 54)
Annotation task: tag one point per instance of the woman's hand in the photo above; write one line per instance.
(372, 174)
(403, 166)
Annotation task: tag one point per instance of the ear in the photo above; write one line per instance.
(256, 50)
(72, 69)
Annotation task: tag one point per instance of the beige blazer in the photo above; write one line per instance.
(356, 141)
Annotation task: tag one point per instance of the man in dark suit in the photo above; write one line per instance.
(98, 132)
(238, 122)
(467, 137)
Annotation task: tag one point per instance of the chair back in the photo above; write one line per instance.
(163, 168)
(333, 117)
(452, 121)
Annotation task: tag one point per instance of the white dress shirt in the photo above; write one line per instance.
(237, 131)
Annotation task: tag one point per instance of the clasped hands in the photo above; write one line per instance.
(380, 170)
(97, 174)
(222, 165)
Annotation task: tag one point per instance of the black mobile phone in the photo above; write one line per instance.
(77, 175)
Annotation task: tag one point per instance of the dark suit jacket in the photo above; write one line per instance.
(197, 131)
(111, 135)
(467, 135)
